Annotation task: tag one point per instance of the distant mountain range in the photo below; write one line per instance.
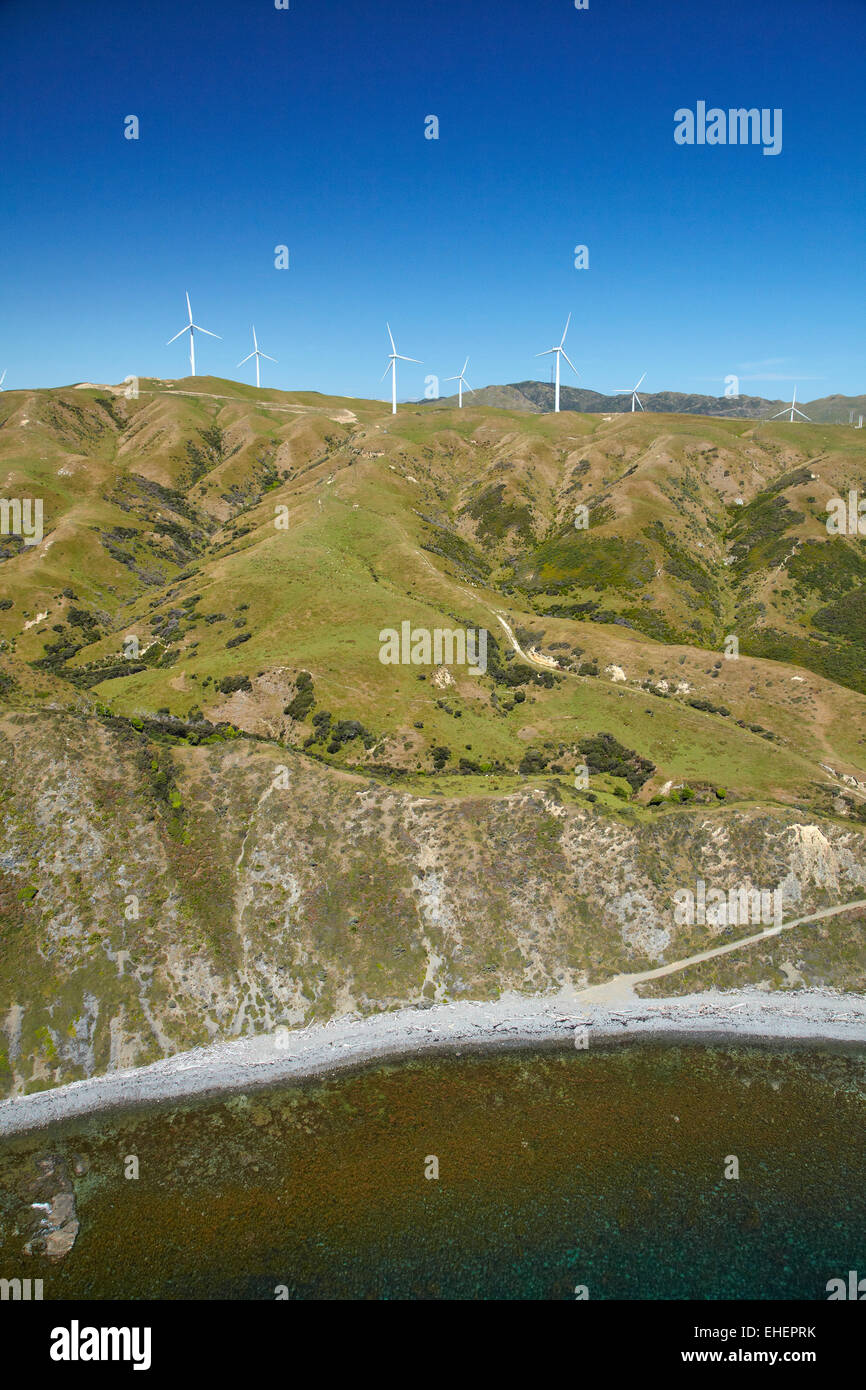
(537, 396)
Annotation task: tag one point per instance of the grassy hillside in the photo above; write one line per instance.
(223, 556)
(206, 606)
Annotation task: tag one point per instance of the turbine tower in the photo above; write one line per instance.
(393, 357)
(191, 328)
(461, 380)
(256, 354)
(792, 408)
(560, 352)
(634, 394)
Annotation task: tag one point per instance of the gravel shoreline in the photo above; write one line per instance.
(514, 1021)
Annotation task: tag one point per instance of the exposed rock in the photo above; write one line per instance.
(53, 1225)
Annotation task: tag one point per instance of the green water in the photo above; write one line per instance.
(600, 1169)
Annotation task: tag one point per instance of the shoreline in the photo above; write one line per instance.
(748, 1016)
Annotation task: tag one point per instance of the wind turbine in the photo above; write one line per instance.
(393, 357)
(256, 354)
(191, 328)
(634, 394)
(793, 411)
(560, 352)
(461, 379)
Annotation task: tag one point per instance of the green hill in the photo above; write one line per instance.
(196, 540)
(206, 606)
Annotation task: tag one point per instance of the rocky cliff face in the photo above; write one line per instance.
(154, 896)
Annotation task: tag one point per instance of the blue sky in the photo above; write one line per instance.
(261, 127)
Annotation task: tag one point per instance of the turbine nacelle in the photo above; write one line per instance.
(256, 354)
(393, 358)
(791, 410)
(633, 392)
(461, 380)
(560, 352)
(191, 328)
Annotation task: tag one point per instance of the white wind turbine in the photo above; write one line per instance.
(393, 357)
(461, 380)
(560, 352)
(792, 408)
(256, 354)
(191, 328)
(634, 394)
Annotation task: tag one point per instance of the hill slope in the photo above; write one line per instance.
(197, 715)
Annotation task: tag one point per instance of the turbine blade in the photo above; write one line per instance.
(465, 365)
(385, 373)
(569, 361)
(547, 352)
(204, 330)
(246, 359)
(177, 335)
(391, 336)
(639, 383)
(189, 307)
(639, 401)
(270, 359)
(407, 359)
(565, 330)
(468, 387)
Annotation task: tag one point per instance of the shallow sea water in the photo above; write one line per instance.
(602, 1170)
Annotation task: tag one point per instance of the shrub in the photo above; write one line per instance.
(229, 684)
(300, 706)
(604, 753)
(533, 760)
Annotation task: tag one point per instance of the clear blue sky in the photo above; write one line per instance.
(260, 127)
